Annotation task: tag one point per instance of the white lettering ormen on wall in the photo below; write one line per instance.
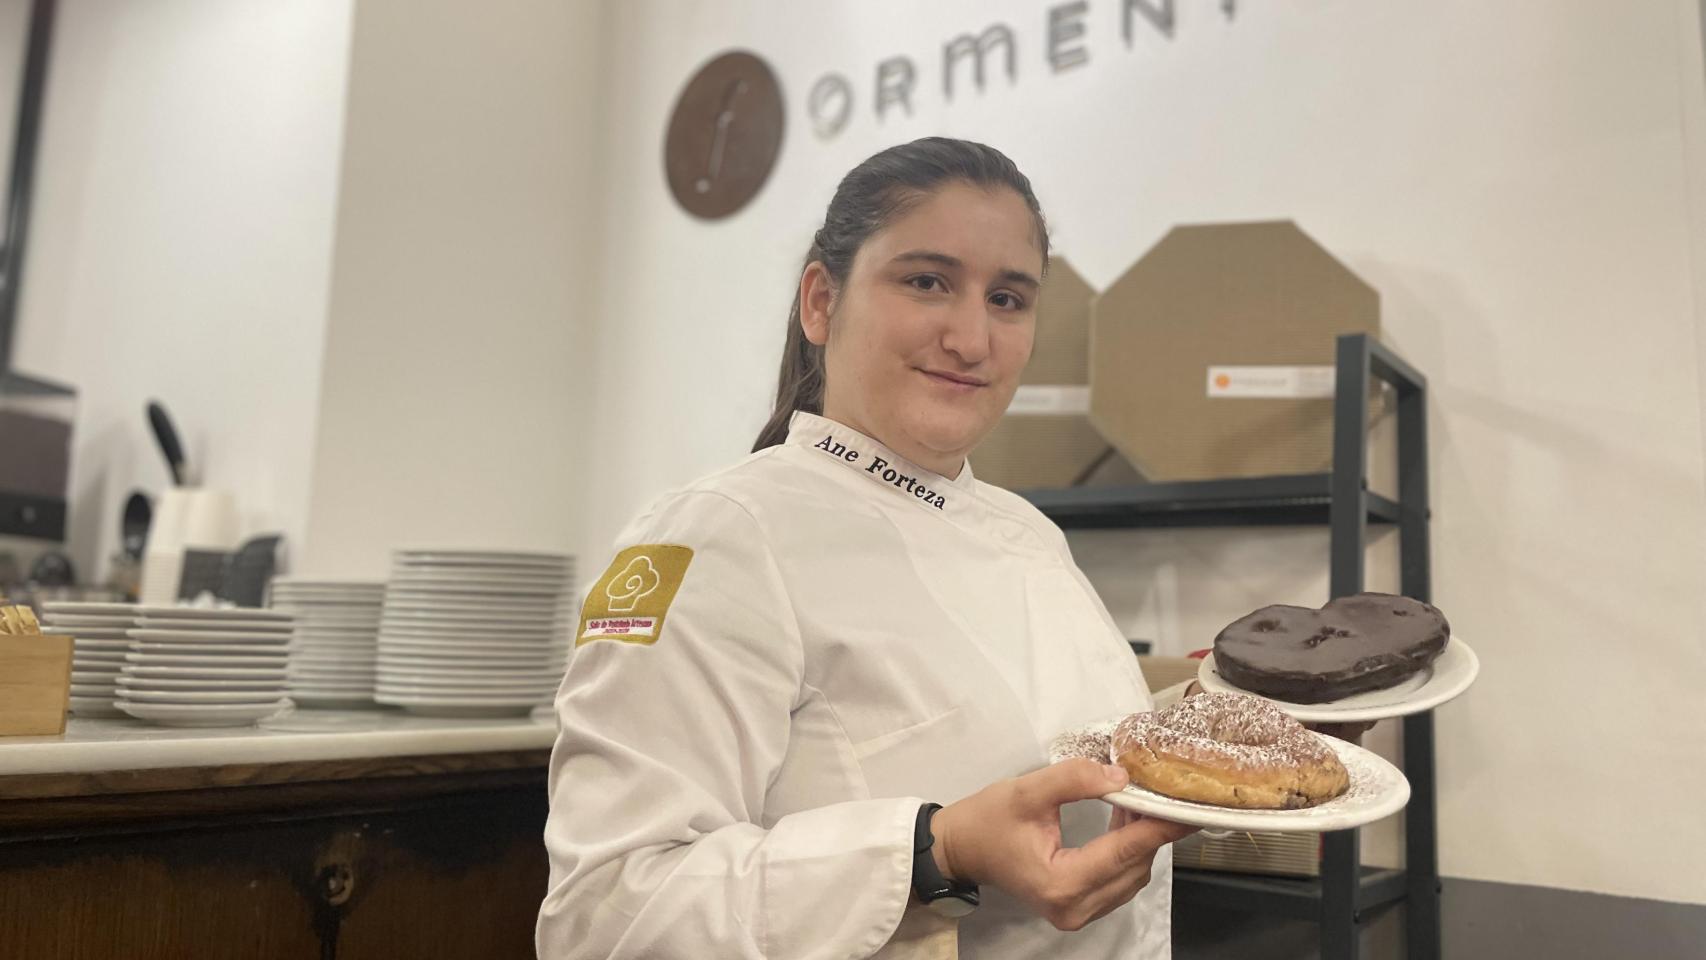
(832, 99)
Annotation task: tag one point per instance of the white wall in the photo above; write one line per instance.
(1512, 177)
(450, 407)
(181, 242)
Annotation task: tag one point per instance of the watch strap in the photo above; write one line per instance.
(950, 897)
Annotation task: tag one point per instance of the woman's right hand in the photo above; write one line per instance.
(1007, 835)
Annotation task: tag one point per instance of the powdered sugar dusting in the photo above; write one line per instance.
(1092, 743)
(1244, 732)
(1377, 790)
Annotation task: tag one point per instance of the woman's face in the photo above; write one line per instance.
(925, 342)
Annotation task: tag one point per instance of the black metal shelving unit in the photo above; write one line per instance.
(1346, 895)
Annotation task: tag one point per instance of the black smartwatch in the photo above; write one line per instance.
(949, 898)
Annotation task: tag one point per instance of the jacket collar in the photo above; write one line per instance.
(838, 443)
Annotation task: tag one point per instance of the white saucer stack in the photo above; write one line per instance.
(99, 640)
(473, 633)
(196, 667)
(335, 641)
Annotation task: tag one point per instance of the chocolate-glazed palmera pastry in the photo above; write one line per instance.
(1368, 641)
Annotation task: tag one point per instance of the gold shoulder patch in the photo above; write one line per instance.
(629, 602)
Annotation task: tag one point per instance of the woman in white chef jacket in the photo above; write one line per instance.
(791, 662)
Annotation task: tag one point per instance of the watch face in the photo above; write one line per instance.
(724, 135)
(952, 907)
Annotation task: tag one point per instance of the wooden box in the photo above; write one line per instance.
(35, 684)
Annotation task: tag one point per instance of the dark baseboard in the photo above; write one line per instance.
(1494, 921)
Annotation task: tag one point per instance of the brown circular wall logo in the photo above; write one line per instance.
(724, 135)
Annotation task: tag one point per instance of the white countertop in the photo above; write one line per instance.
(92, 746)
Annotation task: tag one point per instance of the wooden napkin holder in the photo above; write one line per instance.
(35, 684)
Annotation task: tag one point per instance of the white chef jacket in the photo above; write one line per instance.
(852, 636)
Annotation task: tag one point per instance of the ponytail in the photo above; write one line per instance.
(800, 384)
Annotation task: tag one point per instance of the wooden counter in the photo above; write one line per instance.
(358, 835)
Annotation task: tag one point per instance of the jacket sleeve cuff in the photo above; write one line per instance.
(862, 907)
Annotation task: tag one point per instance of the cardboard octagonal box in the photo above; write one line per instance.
(1209, 356)
(1045, 439)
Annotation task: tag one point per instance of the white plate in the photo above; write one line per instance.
(202, 714)
(507, 594)
(360, 659)
(470, 658)
(460, 618)
(93, 690)
(98, 656)
(458, 700)
(98, 645)
(446, 556)
(214, 660)
(425, 708)
(494, 606)
(318, 683)
(1449, 675)
(517, 702)
(204, 613)
(209, 636)
(330, 699)
(290, 585)
(339, 651)
(71, 623)
(426, 673)
(385, 694)
(435, 580)
(363, 641)
(337, 616)
(337, 648)
(174, 683)
(338, 631)
(471, 681)
(467, 638)
(211, 649)
(95, 707)
(437, 576)
(332, 680)
(302, 663)
(87, 609)
(333, 686)
(1377, 790)
(145, 695)
(509, 623)
(268, 627)
(477, 643)
(338, 643)
(95, 677)
(199, 673)
(368, 643)
(85, 633)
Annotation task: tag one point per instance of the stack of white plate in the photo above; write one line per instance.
(196, 667)
(335, 641)
(99, 640)
(473, 633)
